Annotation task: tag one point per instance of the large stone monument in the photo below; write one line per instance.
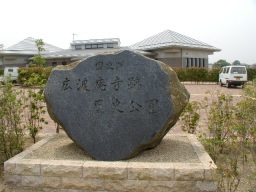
(115, 105)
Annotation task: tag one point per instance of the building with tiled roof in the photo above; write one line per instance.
(176, 50)
(168, 46)
(18, 55)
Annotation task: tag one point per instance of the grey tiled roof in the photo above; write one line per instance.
(28, 46)
(84, 53)
(170, 38)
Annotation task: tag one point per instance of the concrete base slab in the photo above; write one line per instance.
(179, 163)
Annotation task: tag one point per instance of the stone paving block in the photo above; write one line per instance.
(150, 171)
(206, 186)
(105, 170)
(13, 180)
(61, 169)
(32, 181)
(52, 182)
(188, 172)
(83, 184)
(28, 167)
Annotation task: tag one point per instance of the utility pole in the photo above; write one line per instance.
(74, 36)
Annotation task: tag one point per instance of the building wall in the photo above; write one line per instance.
(15, 61)
(176, 57)
(55, 62)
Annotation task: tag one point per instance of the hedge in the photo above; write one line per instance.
(25, 73)
(194, 74)
(197, 74)
(1, 71)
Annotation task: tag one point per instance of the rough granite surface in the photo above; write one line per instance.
(115, 105)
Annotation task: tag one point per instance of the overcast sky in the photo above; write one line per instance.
(226, 24)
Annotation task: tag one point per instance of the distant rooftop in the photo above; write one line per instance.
(28, 46)
(95, 41)
(170, 38)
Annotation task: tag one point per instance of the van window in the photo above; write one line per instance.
(227, 69)
(224, 70)
(10, 70)
(238, 70)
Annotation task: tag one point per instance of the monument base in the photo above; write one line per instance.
(179, 163)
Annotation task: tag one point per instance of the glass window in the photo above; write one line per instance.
(88, 46)
(54, 63)
(64, 63)
(94, 46)
(238, 70)
(100, 45)
(77, 47)
(227, 70)
(110, 45)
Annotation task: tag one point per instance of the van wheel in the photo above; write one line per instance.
(221, 84)
(228, 85)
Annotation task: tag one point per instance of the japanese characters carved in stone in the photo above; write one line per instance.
(115, 105)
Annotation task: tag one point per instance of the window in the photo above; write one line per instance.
(192, 62)
(110, 45)
(77, 47)
(88, 46)
(64, 63)
(187, 62)
(195, 62)
(238, 70)
(10, 70)
(54, 63)
(100, 45)
(203, 62)
(199, 64)
(94, 46)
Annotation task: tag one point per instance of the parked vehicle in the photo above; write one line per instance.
(11, 74)
(233, 75)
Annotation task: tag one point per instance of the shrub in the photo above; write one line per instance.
(213, 75)
(181, 73)
(230, 137)
(11, 129)
(251, 73)
(41, 73)
(1, 71)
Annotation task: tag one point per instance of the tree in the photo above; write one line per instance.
(38, 59)
(236, 62)
(220, 63)
(40, 44)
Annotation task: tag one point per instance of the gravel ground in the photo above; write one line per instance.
(63, 148)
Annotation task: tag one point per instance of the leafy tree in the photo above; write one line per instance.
(220, 63)
(236, 62)
(40, 44)
(38, 59)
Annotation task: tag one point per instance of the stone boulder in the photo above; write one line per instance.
(115, 105)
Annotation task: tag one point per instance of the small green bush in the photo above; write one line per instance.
(181, 73)
(42, 73)
(251, 73)
(230, 137)
(11, 128)
(213, 75)
(1, 71)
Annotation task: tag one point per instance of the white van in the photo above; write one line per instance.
(235, 75)
(12, 72)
